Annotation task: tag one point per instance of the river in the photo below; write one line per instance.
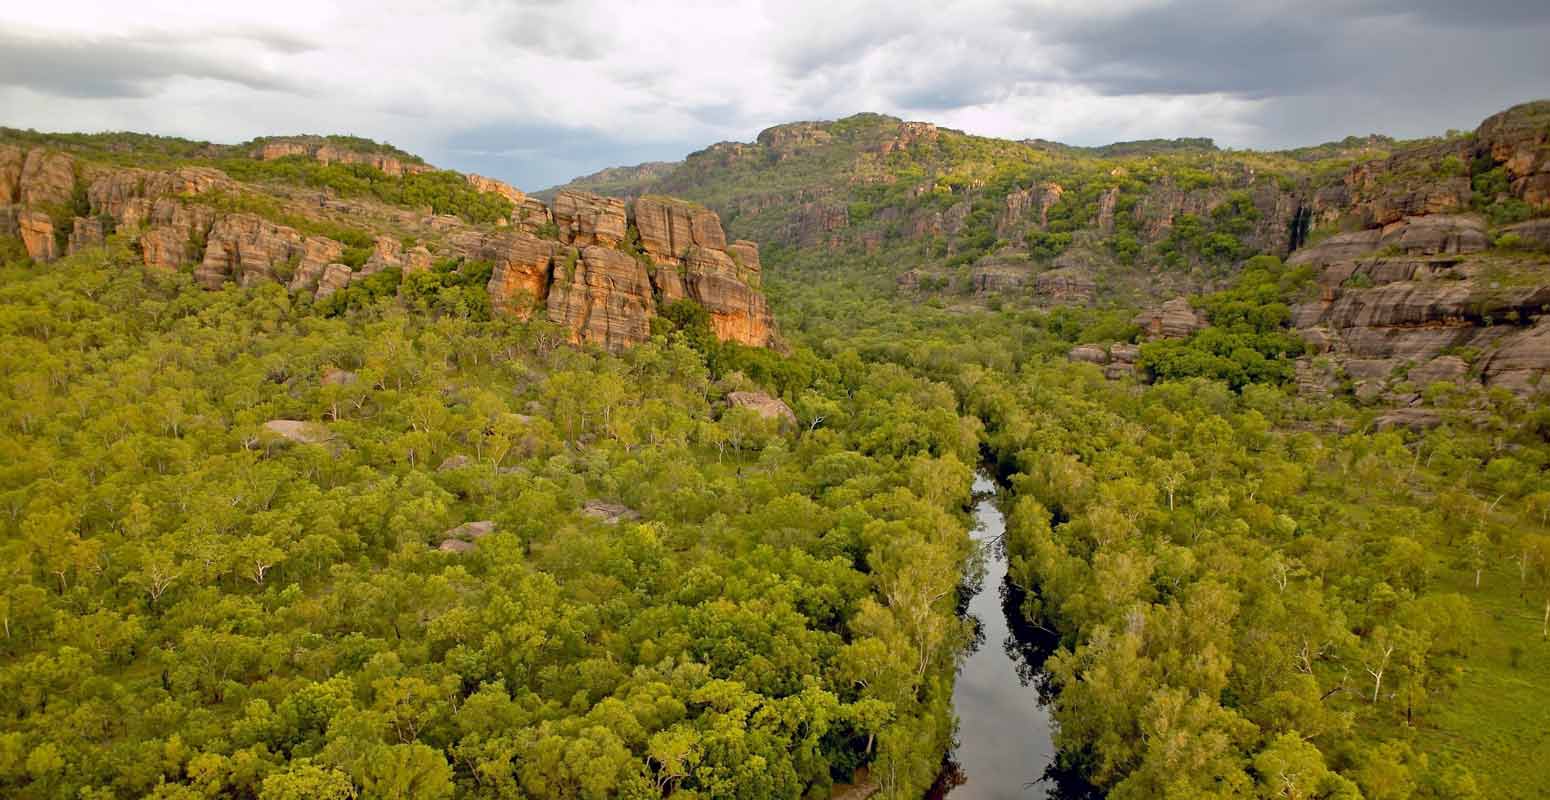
(1004, 745)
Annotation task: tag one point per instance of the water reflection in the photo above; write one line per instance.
(1004, 749)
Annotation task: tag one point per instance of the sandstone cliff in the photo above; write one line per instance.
(597, 266)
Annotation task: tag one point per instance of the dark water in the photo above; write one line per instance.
(1004, 749)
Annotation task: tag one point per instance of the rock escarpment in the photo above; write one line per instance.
(595, 266)
(1395, 304)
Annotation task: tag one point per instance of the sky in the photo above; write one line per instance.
(541, 91)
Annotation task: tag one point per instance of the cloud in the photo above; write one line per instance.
(101, 68)
(538, 91)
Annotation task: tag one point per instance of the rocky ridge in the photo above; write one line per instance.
(596, 266)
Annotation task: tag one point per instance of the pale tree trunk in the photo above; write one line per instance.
(1377, 674)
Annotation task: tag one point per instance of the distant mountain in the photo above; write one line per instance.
(1428, 256)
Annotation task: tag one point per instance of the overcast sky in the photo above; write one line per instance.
(538, 92)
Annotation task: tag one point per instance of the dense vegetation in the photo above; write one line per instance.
(1255, 595)
(194, 606)
(441, 191)
(1249, 593)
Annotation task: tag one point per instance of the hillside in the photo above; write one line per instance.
(1430, 256)
(333, 217)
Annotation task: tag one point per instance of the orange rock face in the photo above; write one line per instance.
(247, 248)
(587, 219)
(493, 186)
(519, 283)
(604, 297)
(37, 232)
(47, 177)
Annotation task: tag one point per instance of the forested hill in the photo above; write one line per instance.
(1414, 262)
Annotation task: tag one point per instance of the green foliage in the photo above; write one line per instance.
(441, 191)
(1248, 341)
(1045, 245)
(194, 606)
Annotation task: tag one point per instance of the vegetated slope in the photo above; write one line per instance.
(327, 214)
(1417, 262)
(256, 547)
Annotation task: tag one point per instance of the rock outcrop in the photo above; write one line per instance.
(1065, 286)
(1175, 319)
(38, 235)
(764, 405)
(519, 284)
(588, 219)
(1395, 302)
(591, 264)
(670, 229)
(604, 297)
(493, 186)
(322, 151)
(247, 248)
(298, 431)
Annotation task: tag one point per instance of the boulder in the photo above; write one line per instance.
(470, 531)
(454, 462)
(531, 215)
(1442, 368)
(335, 278)
(1415, 419)
(1090, 353)
(1522, 361)
(298, 431)
(766, 406)
(388, 252)
(609, 513)
(332, 376)
(1534, 233)
(455, 546)
(1174, 319)
(1437, 234)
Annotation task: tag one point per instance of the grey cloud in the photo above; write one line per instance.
(1257, 50)
(553, 35)
(114, 67)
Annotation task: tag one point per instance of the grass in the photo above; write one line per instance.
(1497, 722)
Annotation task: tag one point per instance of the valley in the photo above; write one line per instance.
(331, 474)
